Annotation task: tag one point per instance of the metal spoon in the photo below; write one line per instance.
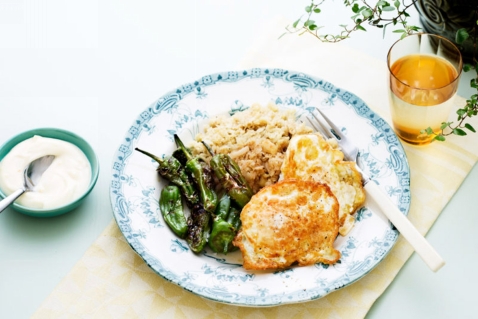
(31, 177)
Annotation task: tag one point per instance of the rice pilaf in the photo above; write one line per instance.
(256, 139)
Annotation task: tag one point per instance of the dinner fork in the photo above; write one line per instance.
(329, 130)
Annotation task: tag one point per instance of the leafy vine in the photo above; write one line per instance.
(383, 14)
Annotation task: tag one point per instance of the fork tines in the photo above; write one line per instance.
(322, 125)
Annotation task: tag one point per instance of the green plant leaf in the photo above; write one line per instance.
(384, 28)
(317, 10)
(440, 138)
(473, 83)
(367, 13)
(444, 125)
(397, 4)
(471, 128)
(388, 8)
(362, 8)
(294, 25)
(309, 23)
(467, 67)
(355, 8)
(359, 27)
(308, 9)
(461, 36)
(460, 113)
(398, 31)
(459, 132)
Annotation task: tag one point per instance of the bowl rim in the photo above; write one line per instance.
(94, 164)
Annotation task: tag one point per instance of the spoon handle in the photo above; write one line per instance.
(10, 199)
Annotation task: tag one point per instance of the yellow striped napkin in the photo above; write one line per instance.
(111, 281)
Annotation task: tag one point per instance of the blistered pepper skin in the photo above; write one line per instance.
(201, 175)
(225, 226)
(171, 169)
(229, 175)
(171, 207)
(198, 228)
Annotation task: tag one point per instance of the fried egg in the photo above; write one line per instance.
(292, 221)
(311, 157)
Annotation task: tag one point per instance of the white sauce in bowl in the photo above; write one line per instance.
(64, 181)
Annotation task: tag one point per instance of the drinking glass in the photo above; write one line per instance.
(424, 71)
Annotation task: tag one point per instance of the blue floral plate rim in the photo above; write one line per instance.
(220, 272)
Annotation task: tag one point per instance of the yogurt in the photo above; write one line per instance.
(64, 181)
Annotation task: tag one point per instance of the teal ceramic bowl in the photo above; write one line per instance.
(61, 135)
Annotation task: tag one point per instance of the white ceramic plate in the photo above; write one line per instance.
(135, 187)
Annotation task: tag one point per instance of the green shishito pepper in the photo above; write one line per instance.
(171, 169)
(198, 228)
(229, 175)
(225, 225)
(234, 218)
(199, 170)
(171, 207)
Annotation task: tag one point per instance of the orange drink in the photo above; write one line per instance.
(424, 77)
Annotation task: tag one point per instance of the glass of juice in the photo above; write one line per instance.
(424, 71)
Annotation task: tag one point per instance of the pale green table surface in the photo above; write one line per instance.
(91, 67)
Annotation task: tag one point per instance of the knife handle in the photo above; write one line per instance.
(405, 227)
